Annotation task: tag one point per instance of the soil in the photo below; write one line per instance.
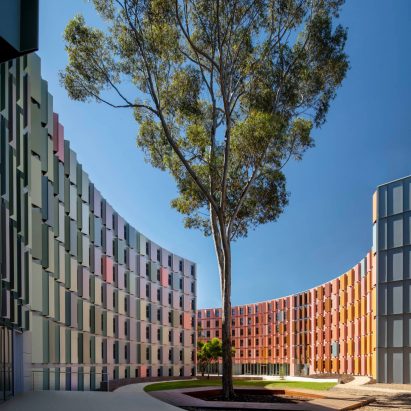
(251, 395)
(264, 398)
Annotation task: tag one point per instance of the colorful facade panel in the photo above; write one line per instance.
(327, 329)
(91, 297)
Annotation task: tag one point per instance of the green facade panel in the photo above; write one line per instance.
(71, 266)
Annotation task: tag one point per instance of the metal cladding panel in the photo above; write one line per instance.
(392, 254)
(54, 219)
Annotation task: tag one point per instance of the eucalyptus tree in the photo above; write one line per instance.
(225, 93)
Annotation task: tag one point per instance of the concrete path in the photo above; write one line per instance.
(360, 384)
(128, 398)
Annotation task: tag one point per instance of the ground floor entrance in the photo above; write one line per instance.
(265, 369)
(6, 363)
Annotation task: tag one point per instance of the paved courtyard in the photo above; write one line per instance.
(129, 398)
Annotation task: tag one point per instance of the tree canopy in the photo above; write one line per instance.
(225, 93)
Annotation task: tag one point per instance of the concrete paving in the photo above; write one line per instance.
(128, 398)
(361, 384)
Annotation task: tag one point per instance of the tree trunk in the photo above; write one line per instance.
(227, 378)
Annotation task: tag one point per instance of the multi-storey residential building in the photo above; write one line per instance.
(85, 297)
(19, 28)
(358, 323)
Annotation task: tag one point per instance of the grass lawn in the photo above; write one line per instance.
(159, 386)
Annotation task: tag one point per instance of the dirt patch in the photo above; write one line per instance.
(255, 395)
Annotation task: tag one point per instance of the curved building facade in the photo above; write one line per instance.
(358, 323)
(85, 297)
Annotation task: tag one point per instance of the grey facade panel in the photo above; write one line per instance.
(393, 286)
(66, 255)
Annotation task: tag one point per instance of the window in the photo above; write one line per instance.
(158, 274)
(125, 257)
(193, 270)
(170, 336)
(170, 298)
(217, 333)
(114, 351)
(217, 323)
(125, 232)
(170, 317)
(114, 273)
(148, 290)
(125, 328)
(125, 281)
(114, 299)
(169, 260)
(181, 355)
(181, 265)
(126, 352)
(114, 221)
(148, 355)
(147, 269)
(114, 325)
(158, 254)
(181, 319)
(159, 314)
(181, 283)
(170, 355)
(233, 333)
(158, 334)
(208, 323)
(170, 279)
(181, 337)
(126, 304)
(208, 314)
(147, 248)
(159, 354)
(241, 343)
(217, 313)
(159, 294)
(148, 312)
(193, 287)
(147, 332)
(257, 354)
(241, 332)
(181, 301)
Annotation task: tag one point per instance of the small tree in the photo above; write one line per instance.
(203, 357)
(226, 92)
(216, 351)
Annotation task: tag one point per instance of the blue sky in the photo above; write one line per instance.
(326, 228)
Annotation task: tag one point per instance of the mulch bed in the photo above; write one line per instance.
(264, 398)
(250, 395)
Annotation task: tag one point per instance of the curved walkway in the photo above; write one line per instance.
(128, 398)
